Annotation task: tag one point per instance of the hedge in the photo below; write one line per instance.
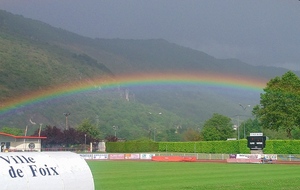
(131, 146)
(217, 147)
(282, 147)
(228, 147)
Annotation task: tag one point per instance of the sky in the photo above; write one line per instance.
(258, 32)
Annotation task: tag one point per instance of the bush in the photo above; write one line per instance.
(214, 147)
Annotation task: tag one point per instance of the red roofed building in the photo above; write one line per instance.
(12, 143)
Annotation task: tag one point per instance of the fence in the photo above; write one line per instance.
(199, 156)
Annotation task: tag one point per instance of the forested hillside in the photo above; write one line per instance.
(35, 56)
(30, 64)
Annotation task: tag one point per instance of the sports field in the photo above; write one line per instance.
(140, 175)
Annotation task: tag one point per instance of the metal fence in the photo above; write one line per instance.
(202, 156)
(199, 156)
(288, 157)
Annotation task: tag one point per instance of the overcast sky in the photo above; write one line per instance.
(258, 32)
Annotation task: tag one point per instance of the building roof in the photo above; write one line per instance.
(21, 137)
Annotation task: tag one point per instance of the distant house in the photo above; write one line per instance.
(12, 143)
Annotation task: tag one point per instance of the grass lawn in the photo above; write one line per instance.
(129, 175)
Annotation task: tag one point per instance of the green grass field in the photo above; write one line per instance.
(129, 175)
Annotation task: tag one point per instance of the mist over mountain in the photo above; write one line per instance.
(36, 56)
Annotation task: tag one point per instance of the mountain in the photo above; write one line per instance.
(36, 56)
(28, 63)
(120, 55)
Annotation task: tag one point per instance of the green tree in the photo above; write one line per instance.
(218, 127)
(250, 126)
(280, 104)
(90, 130)
(296, 134)
(191, 135)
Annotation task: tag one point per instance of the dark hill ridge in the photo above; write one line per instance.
(35, 55)
(129, 56)
(120, 55)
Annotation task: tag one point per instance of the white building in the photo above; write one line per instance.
(12, 143)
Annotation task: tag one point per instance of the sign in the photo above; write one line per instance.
(116, 156)
(256, 142)
(87, 156)
(256, 134)
(248, 156)
(231, 139)
(132, 156)
(44, 170)
(100, 156)
(146, 156)
(31, 145)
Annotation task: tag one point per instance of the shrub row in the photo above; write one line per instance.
(227, 147)
(282, 147)
(132, 146)
(218, 147)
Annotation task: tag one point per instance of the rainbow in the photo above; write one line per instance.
(142, 79)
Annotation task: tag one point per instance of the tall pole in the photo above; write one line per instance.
(66, 115)
(154, 130)
(40, 135)
(238, 127)
(25, 134)
(115, 129)
(40, 129)
(84, 142)
(244, 108)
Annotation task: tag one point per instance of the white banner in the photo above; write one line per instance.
(132, 156)
(257, 156)
(256, 134)
(146, 156)
(86, 156)
(100, 156)
(44, 170)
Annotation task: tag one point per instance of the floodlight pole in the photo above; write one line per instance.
(40, 128)
(84, 142)
(238, 127)
(244, 108)
(66, 115)
(115, 129)
(154, 130)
